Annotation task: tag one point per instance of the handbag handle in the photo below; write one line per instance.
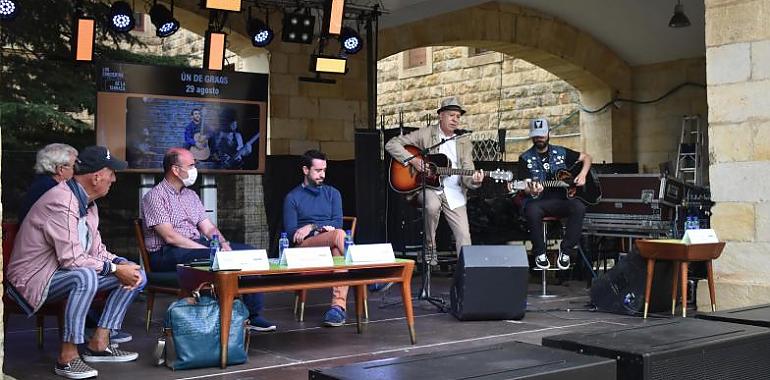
(204, 286)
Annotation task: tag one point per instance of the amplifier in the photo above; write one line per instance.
(508, 361)
(627, 224)
(638, 194)
(678, 349)
(757, 315)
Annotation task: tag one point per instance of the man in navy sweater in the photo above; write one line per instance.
(312, 217)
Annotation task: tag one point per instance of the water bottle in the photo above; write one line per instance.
(688, 223)
(695, 223)
(283, 243)
(213, 247)
(348, 243)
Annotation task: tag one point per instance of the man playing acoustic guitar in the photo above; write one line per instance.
(541, 163)
(451, 198)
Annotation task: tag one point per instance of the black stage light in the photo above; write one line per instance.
(350, 41)
(121, 17)
(164, 21)
(260, 33)
(8, 9)
(298, 27)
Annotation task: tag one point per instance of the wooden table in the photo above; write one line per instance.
(681, 254)
(230, 284)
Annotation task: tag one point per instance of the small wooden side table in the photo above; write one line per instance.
(681, 254)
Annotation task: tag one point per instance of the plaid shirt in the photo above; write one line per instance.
(163, 204)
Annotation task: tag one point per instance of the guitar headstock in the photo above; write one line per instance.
(501, 175)
(517, 185)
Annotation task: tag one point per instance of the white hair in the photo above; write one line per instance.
(53, 156)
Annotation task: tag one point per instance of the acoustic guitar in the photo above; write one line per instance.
(406, 179)
(590, 193)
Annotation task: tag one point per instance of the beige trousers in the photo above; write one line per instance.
(457, 220)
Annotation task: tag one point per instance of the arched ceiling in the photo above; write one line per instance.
(636, 30)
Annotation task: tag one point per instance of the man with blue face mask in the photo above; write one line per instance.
(177, 230)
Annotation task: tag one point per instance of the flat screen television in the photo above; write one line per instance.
(142, 111)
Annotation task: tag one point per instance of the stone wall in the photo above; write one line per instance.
(498, 91)
(657, 126)
(738, 77)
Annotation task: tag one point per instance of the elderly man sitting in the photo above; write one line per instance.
(58, 254)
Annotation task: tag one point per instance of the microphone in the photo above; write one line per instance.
(461, 132)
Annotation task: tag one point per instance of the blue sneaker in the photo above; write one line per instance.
(379, 287)
(257, 323)
(335, 317)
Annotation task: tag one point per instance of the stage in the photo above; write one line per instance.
(296, 347)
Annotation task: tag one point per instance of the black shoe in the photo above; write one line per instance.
(75, 369)
(542, 262)
(563, 261)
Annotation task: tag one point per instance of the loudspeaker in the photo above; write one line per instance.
(682, 348)
(490, 283)
(621, 289)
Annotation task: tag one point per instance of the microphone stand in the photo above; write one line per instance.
(425, 294)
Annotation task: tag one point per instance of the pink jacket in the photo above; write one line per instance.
(48, 240)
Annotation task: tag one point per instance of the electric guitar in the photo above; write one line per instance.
(406, 179)
(230, 161)
(201, 149)
(590, 193)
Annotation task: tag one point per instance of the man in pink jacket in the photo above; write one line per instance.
(58, 254)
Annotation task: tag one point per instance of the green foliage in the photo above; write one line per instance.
(42, 89)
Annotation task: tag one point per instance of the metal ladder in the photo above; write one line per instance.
(690, 166)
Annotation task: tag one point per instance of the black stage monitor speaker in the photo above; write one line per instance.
(490, 283)
(507, 361)
(685, 348)
(621, 289)
(757, 315)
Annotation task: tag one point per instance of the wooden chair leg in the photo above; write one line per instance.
(674, 287)
(150, 305)
(712, 289)
(366, 304)
(300, 296)
(40, 323)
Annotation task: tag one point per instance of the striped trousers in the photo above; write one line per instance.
(79, 286)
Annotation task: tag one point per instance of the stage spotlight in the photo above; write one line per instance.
(350, 41)
(260, 33)
(121, 17)
(334, 10)
(83, 39)
(223, 5)
(214, 51)
(328, 64)
(298, 27)
(164, 21)
(8, 9)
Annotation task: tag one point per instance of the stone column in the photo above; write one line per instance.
(738, 79)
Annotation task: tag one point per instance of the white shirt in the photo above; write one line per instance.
(452, 190)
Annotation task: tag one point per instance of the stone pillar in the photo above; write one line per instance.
(738, 79)
(596, 128)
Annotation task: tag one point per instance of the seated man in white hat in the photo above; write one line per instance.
(541, 163)
(451, 198)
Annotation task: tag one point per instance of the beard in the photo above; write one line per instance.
(541, 144)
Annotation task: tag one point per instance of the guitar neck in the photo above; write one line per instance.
(462, 172)
(554, 183)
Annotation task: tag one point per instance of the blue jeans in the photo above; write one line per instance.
(166, 259)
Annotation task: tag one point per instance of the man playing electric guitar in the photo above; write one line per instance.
(539, 164)
(451, 198)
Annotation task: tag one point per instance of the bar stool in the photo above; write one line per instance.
(544, 282)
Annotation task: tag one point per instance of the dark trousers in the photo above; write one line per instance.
(572, 209)
(166, 259)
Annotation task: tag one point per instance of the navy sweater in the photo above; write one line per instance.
(303, 205)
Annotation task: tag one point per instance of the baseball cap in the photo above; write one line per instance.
(538, 127)
(95, 158)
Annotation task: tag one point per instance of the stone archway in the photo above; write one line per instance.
(593, 69)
